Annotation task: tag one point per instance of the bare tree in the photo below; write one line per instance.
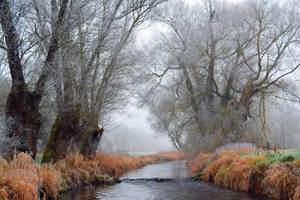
(97, 80)
(221, 58)
(22, 110)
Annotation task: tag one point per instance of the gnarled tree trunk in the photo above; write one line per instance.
(68, 137)
(23, 121)
(64, 137)
(89, 140)
(245, 100)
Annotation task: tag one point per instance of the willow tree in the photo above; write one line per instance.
(96, 80)
(22, 107)
(219, 60)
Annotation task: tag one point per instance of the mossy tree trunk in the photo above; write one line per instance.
(67, 137)
(64, 137)
(91, 134)
(89, 141)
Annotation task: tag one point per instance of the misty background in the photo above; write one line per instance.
(132, 132)
(160, 68)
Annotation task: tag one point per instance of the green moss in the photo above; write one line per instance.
(51, 145)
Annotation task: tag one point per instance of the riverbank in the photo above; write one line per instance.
(276, 175)
(23, 179)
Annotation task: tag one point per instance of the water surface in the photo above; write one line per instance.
(178, 189)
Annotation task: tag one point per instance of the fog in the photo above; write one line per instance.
(131, 132)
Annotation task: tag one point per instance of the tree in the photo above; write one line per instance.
(219, 60)
(90, 91)
(22, 108)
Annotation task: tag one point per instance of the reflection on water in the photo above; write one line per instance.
(174, 169)
(148, 190)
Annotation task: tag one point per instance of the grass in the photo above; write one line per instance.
(284, 157)
(23, 178)
(276, 175)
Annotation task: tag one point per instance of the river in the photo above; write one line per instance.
(173, 185)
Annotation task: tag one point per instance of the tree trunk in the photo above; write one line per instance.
(67, 137)
(226, 96)
(89, 141)
(90, 135)
(64, 137)
(209, 86)
(23, 121)
(193, 100)
(245, 100)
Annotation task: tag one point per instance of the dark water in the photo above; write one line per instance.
(177, 189)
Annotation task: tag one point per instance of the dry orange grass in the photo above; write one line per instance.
(51, 180)
(197, 164)
(76, 169)
(222, 162)
(279, 182)
(297, 193)
(21, 179)
(243, 176)
(296, 164)
(117, 164)
(3, 193)
(228, 169)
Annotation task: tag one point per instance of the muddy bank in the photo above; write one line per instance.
(274, 175)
